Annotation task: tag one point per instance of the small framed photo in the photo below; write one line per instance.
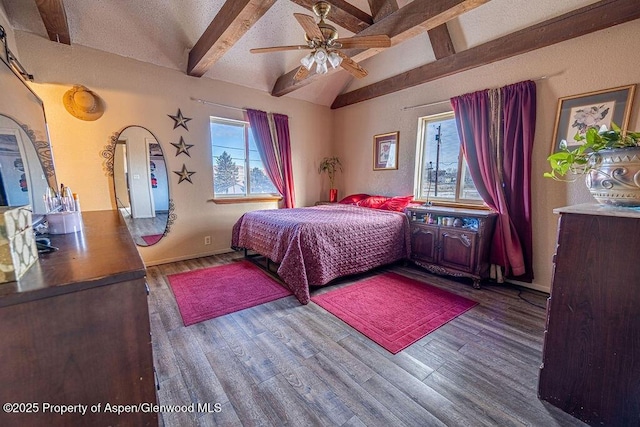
(385, 151)
(578, 113)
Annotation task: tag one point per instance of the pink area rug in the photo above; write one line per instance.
(151, 239)
(215, 291)
(393, 310)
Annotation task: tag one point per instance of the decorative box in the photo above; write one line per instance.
(18, 249)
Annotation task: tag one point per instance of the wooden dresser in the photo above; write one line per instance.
(75, 331)
(591, 355)
(452, 241)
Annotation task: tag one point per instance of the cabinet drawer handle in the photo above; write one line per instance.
(146, 287)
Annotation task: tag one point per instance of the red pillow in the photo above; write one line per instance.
(396, 203)
(353, 199)
(373, 201)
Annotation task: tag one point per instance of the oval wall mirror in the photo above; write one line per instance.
(141, 184)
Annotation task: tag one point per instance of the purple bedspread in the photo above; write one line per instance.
(318, 244)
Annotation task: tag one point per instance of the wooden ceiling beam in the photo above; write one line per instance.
(232, 21)
(594, 17)
(403, 24)
(382, 8)
(54, 18)
(441, 41)
(343, 14)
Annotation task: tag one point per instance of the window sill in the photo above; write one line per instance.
(444, 204)
(252, 199)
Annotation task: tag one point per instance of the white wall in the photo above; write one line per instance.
(600, 60)
(137, 93)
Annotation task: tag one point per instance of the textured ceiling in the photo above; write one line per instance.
(162, 32)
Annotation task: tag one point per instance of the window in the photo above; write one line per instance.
(442, 173)
(234, 153)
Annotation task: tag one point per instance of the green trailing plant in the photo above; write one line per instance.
(584, 158)
(330, 165)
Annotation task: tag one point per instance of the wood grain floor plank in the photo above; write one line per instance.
(319, 397)
(369, 410)
(424, 396)
(226, 417)
(482, 411)
(242, 392)
(289, 405)
(202, 384)
(164, 361)
(173, 391)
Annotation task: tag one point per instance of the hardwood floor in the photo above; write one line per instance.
(285, 364)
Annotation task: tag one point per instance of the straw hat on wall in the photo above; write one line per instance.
(83, 104)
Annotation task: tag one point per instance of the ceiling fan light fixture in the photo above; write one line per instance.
(307, 61)
(334, 59)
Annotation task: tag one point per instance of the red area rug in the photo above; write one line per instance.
(151, 239)
(215, 291)
(393, 310)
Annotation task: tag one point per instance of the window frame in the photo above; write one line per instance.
(420, 151)
(238, 198)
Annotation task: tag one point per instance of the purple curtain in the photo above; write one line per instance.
(496, 132)
(284, 148)
(272, 156)
(519, 122)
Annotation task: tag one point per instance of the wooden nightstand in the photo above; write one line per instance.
(459, 250)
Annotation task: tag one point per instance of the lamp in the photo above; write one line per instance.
(321, 57)
(307, 61)
(334, 59)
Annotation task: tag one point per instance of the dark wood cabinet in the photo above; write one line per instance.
(75, 331)
(452, 241)
(591, 355)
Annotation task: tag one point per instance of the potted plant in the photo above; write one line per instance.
(609, 158)
(330, 165)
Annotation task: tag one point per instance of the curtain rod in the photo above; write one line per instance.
(431, 104)
(202, 101)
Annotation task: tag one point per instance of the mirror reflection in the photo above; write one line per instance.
(141, 184)
(26, 165)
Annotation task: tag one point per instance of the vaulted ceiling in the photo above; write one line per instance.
(212, 38)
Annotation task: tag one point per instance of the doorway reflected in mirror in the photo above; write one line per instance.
(141, 184)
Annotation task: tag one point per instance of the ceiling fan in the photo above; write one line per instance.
(322, 39)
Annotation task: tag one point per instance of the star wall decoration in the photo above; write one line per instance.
(184, 174)
(182, 147)
(179, 120)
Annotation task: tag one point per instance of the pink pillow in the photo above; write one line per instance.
(353, 199)
(373, 201)
(396, 203)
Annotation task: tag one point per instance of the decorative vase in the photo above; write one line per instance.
(333, 195)
(615, 180)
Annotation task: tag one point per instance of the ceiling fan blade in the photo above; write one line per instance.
(301, 74)
(365, 41)
(308, 23)
(278, 48)
(351, 66)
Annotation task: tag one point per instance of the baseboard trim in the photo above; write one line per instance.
(533, 286)
(186, 257)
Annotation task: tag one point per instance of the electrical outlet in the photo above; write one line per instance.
(207, 240)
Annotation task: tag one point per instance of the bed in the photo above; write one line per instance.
(315, 245)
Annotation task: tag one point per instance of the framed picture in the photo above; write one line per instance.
(385, 151)
(578, 113)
